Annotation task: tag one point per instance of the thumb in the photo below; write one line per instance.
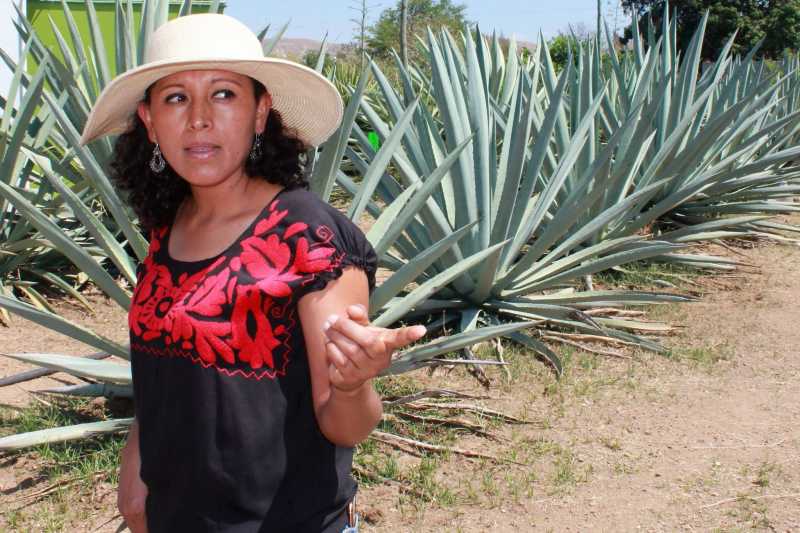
(404, 336)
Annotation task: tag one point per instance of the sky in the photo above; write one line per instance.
(521, 18)
(312, 18)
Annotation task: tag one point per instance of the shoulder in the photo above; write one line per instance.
(322, 224)
(305, 206)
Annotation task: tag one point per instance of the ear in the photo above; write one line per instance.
(143, 110)
(263, 106)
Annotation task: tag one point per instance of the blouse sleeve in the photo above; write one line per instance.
(334, 243)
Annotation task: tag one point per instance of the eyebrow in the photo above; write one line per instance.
(182, 86)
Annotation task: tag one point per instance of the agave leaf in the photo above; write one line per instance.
(22, 121)
(387, 218)
(538, 347)
(611, 298)
(37, 299)
(67, 246)
(108, 390)
(639, 251)
(268, 45)
(413, 268)
(418, 201)
(416, 357)
(325, 169)
(63, 434)
(548, 197)
(186, 8)
(64, 286)
(433, 285)
(63, 326)
(99, 47)
(378, 165)
(323, 48)
(634, 325)
(100, 370)
(97, 229)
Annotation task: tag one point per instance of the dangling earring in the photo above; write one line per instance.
(157, 163)
(255, 151)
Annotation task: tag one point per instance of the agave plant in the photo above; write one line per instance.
(565, 176)
(722, 141)
(506, 187)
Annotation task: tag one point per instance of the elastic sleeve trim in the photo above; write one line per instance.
(320, 280)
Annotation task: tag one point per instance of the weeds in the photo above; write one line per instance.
(85, 459)
(706, 356)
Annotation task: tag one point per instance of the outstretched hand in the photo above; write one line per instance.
(358, 351)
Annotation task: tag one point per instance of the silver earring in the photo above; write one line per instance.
(157, 163)
(255, 151)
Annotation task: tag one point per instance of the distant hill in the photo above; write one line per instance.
(295, 48)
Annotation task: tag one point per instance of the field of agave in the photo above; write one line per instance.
(500, 187)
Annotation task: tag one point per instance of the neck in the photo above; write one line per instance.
(227, 197)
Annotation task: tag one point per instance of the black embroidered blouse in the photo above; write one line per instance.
(228, 437)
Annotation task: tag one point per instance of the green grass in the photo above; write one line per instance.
(63, 473)
(706, 356)
(86, 459)
(765, 473)
(642, 275)
(423, 486)
(568, 471)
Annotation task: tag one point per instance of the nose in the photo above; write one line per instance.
(199, 115)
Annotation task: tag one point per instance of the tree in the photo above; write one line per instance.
(560, 48)
(775, 21)
(384, 35)
(362, 10)
(404, 32)
(783, 28)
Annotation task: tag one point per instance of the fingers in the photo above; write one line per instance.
(342, 374)
(335, 376)
(357, 351)
(336, 356)
(346, 346)
(398, 338)
(358, 313)
(368, 339)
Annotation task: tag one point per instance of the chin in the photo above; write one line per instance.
(207, 177)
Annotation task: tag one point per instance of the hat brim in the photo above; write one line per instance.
(309, 104)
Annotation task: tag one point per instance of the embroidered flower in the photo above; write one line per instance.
(251, 328)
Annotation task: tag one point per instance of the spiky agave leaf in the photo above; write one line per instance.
(510, 178)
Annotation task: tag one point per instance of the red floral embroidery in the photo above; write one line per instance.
(252, 332)
(228, 313)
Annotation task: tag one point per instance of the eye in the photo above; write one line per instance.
(175, 98)
(224, 94)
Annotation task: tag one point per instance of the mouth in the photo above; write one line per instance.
(201, 150)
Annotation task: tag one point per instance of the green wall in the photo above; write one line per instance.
(40, 12)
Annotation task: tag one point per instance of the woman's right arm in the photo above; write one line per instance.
(132, 492)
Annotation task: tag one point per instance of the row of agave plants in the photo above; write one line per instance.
(499, 188)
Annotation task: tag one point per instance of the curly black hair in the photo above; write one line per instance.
(155, 197)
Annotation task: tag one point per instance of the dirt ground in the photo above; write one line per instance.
(707, 439)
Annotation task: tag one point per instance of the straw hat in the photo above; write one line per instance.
(307, 102)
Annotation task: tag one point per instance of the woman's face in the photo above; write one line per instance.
(204, 122)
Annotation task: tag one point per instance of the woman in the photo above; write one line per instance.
(251, 351)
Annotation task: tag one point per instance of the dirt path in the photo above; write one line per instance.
(706, 440)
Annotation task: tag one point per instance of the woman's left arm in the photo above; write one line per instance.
(344, 354)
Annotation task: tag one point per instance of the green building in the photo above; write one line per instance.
(40, 13)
